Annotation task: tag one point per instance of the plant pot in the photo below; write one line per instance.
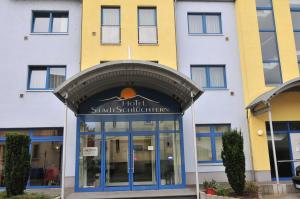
(211, 191)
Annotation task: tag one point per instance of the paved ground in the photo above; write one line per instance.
(288, 196)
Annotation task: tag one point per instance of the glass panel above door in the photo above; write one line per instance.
(144, 125)
(116, 126)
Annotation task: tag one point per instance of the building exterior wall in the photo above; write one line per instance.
(253, 74)
(20, 48)
(215, 106)
(93, 52)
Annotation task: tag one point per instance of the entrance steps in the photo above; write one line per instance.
(186, 193)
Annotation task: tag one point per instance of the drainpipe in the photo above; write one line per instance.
(195, 147)
(273, 143)
(64, 151)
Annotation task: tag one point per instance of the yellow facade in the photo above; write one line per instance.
(285, 107)
(93, 52)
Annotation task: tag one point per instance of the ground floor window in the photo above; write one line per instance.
(46, 153)
(209, 142)
(129, 152)
(287, 145)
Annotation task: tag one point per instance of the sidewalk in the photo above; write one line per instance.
(287, 196)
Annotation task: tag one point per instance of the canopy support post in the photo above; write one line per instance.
(64, 151)
(195, 147)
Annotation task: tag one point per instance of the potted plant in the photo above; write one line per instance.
(210, 187)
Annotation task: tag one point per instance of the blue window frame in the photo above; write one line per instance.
(209, 76)
(147, 25)
(209, 142)
(268, 40)
(204, 23)
(45, 77)
(46, 144)
(50, 21)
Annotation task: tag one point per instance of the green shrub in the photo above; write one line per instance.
(234, 160)
(25, 196)
(212, 184)
(251, 189)
(17, 163)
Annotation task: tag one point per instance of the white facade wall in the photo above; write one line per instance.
(39, 108)
(214, 106)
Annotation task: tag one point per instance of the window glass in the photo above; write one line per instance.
(269, 46)
(219, 147)
(90, 126)
(169, 125)
(296, 20)
(199, 76)
(147, 25)
(147, 17)
(297, 42)
(38, 78)
(89, 161)
(144, 125)
(116, 126)
(2, 152)
(41, 21)
(272, 73)
(278, 126)
(294, 3)
(216, 76)
(45, 164)
(213, 24)
(263, 3)
(57, 76)
(170, 159)
(4, 132)
(110, 30)
(265, 19)
(195, 23)
(60, 22)
(204, 151)
(48, 132)
(202, 129)
(295, 126)
(222, 128)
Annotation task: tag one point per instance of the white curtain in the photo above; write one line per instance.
(57, 76)
(60, 24)
(147, 17)
(213, 24)
(216, 75)
(195, 24)
(110, 16)
(199, 76)
(38, 78)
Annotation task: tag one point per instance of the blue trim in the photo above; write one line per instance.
(50, 25)
(207, 74)
(204, 23)
(43, 68)
(130, 134)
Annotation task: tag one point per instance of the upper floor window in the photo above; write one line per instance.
(209, 142)
(213, 76)
(110, 25)
(50, 22)
(147, 26)
(204, 23)
(268, 41)
(295, 12)
(45, 77)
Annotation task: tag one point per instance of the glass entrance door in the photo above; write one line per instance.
(144, 160)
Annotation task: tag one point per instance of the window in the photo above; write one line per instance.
(204, 23)
(50, 22)
(209, 142)
(209, 76)
(268, 41)
(110, 25)
(147, 26)
(45, 77)
(46, 152)
(295, 12)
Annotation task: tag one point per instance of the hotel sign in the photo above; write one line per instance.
(131, 102)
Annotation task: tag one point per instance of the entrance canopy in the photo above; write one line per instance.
(102, 77)
(264, 99)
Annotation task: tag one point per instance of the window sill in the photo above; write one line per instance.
(28, 90)
(203, 34)
(148, 44)
(210, 164)
(214, 89)
(49, 33)
(110, 44)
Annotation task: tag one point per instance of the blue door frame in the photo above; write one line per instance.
(130, 134)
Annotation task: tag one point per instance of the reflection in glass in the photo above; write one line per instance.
(265, 19)
(297, 42)
(116, 126)
(272, 73)
(89, 161)
(144, 172)
(90, 126)
(219, 147)
(2, 164)
(170, 159)
(144, 125)
(45, 164)
(204, 149)
(60, 22)
(202, 129)
(269, 46)
(57, 76)
(41, 21)
(4, 132)
(48, 132)
(117, 167)
(172, 125)
(263, 3)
